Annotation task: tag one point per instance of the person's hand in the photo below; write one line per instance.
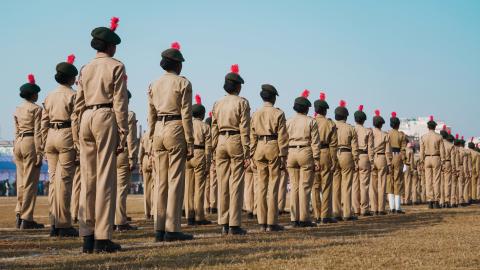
(317, 165)
(246, 163)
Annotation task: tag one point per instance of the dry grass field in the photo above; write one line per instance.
(421, 239)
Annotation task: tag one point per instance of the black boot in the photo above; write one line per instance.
(18, 221)
(367, 214)
(191, 221)
(329, 220)
(203, 222)
(75, 220)
(295, 224)
(125, 227)
(307, 224)
(159, 236)
(177, 236)
(350, 218)
(88, 243)
(225, 229)
(236, 230)
(53, 231)
(106, 246)
(31, 225)
(214, 210)
(275, 228)
(67, 232)
(250, 216)
(437, 205)
(430, 205)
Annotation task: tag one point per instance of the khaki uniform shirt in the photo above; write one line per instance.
(202, 136)
(102, 81)
(410, 159)
(327, 132)
(381, 144)
(269, 120)
(347, 138)
(365, 140)
(398, 140)
(145, 148)
(450, 153)
(432, 144)
(27, 118)
(171, 94)
(232, 113)
(303, 130)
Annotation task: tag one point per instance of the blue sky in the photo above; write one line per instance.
(414, 57)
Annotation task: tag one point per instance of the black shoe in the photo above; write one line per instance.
(191, 221)
(377, 213)
(307, 224)
(214, 211)
(18, 221)
(88, 244)
(250, 216)
(225, 229)
(357, 214)
(367, 214)
(393, 211)
(275, 228)
(208, 210)
(437, 205)
(338, 219)
(282, 212)
(401, 212)
(263, 227)
(463, 205)
(106, 246)
(30, 225)
(177, 236)
(449, 205)
(455, 205)
(382, 213)
(430, 205)
(203, 222)
(351, 218)
(183, 213)
(75, 220)
(125, 227)
(53, 231)
(67, 232)
(295, 224)
(159, 236)
(329, 220)
(236, 230)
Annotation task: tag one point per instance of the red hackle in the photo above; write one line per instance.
(235, 69)
(377, 112)
(322, 96)
(305, 93)
(198, 99)
(175, 45)
(343, 103)
(394, 115)
(444, 127)
(210, 114)
(31, 78)
(431, 118)
(71, 59)
(360, 108)
(463, 138)
(449, 132)
(315, 114)
(456, 136)
(114, 23)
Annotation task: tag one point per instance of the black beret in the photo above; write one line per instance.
(129, 95)
(303, 101)
(378, 120)
(208, 120)
(67, 69)
(450, 138)
(234, 77)
(394, 121)
(320, 104)
(269, 88)
(341, 111)
(471, 145)
(29, 89)
(106, 34)
(360, 116)
(173, 54)
(198, 109)
(444, 133)
(431, 124)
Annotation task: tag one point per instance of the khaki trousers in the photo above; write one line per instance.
(231, 174)
(268, 171)
(447, 181)
(408, 190)
(317, 195)
(61, 169)
(326, 179)
(454, 189)
(467, 189)
(98, 159)
(474, 183)
(249, 192)
(282, 190)
(415, 194)
(300, 165)
(394, 185)
(51, 200)
(432, 178)
(423, 193)
(206, 201)
(360, 196)
(460, 184)
(378, 184)
(347, 166)
(123, 187)
(337, 192)
(148, 185)
(213, 186)
(27, 176)
(195, 186)
(170, 150)
(75, 192)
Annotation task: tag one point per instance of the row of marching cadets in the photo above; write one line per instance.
(341, 171)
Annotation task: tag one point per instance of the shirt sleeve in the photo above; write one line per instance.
(37, 130)
(333, 143)
(132, 141)
(253, 137)
(354, 144)
(215, 130)
(79, 108)
(187, 113)
(282, 135)
(45, 125)
(371, 154)
(245, 129)
(120, 103)
(315, 139)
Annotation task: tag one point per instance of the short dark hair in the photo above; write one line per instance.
(360, 121)
(99, 45)
(340, 117)
(321, 110)
(27, 95)
(300, 108)
(62, 78)
(267, 96)
(230, 86)
(169, 65)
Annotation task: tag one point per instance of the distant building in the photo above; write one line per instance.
(7, 166)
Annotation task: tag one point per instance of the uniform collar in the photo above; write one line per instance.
(101, 55)
(321, 116)
(358, 125)
(267, 104)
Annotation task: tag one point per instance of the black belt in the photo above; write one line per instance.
(324, 145)
(437, 155)
(167, 118)
(379, 153)
(98, 106)
(362, 152)
(27, 134)
(344, 150)
(447, 160)
(267, 138)
(395, 150)
(297, 146)
(229, 132)
(196, 146)
(60, 125)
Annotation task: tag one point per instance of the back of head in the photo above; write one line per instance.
(341, 112)
(302, 104)
(233, 80)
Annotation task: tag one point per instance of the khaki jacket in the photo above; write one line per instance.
(303, 130)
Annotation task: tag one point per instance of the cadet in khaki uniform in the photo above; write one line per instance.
(409, 174)
(101, 106)
(59, 147)
(196, 174)
(145, 158)
(459, 172)
(432, 154)
(282, 192)
(211, 186)
(231, 148)
(415, 178)
(126, 163)
(447, 168)
(475, 164)
(303, 160)
(380, 166)
(398, 145)
(360, 191)
(249, 192)
(28, 154)
(269, 149)
(467, 167)
(171, 128)
(322, 187)
(75, 201)
(454, 168)
(347, 155)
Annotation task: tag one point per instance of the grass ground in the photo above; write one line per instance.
(421, 239)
